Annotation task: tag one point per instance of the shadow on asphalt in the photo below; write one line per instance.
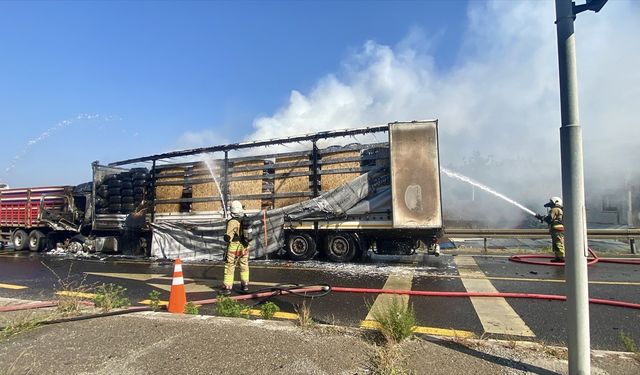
(493, 359)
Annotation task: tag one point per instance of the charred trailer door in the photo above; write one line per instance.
(415, 181)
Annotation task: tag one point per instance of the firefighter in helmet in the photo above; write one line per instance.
(237, 237)
(556, 227)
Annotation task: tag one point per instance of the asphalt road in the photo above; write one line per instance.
(544, 320)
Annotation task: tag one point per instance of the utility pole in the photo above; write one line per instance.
(573, 189)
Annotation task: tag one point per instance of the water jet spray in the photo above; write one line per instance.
(468, 180)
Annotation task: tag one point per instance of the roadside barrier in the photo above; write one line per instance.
(178, 295)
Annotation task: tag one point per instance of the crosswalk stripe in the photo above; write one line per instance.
(395, 281)
(495, 314)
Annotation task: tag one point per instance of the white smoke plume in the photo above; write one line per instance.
(498, 105)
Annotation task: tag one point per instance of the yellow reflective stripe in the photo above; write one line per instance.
(235, 246)
(371, 324)
(12, 286)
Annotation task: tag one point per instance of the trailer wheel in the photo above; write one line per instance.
(340, 247)
(300, 246)
(36, 240)
(20, 240)
(114, 183)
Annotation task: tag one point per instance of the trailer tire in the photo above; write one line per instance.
(36, 241)
(126, 199)
(300, 246)
(103, 191)
(126, 185)
(140, 176)
(127, 208)
(114, 183)
(101, 202)
(140, 182)
(126, 192)
(114, 191)
(115, 199)
(340, 247)
(20, 240)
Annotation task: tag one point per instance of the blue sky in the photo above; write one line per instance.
(153, 70)
(84, 81)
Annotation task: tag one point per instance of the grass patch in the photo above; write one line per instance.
(70, 292)
(191, 308)
(554, 351)
(396, 322)
(387, 360)
(110, 296)
(304, 315)
(628, 343)
(229, 307)
(19, 326)
(154, 300)
(268, 310)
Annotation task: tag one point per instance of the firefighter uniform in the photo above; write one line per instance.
(556, 229)
(556, 226)
(237, 249)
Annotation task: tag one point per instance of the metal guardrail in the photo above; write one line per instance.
(611, 234)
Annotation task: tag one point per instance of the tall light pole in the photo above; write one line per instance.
(573, 188)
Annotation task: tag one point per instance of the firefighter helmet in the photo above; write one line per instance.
(236, 208)
(557, 201)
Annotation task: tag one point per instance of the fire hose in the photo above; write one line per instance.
(315, 291)
(425, 293)
(590, 261)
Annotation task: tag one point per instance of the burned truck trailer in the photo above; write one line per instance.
(34, 218)
(339, 201)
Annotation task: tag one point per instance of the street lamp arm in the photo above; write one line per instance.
(594, 5)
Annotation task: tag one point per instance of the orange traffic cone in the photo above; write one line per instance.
(178, 296)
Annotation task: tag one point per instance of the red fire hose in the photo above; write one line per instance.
(590, 261)
(482, 294)
(37, 305)
(302, 290)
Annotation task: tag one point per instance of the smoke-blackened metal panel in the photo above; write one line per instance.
(415, 175)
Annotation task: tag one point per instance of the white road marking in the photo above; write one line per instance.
(495, 314)
(396, 281)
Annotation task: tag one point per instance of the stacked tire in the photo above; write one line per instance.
(140, 181)
(102, 198)
(122, 193)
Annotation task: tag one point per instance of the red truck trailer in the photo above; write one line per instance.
(21, 222)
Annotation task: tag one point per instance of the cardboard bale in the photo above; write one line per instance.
(291, 184)
(248, 187)
(332, 181)
(169, 191)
